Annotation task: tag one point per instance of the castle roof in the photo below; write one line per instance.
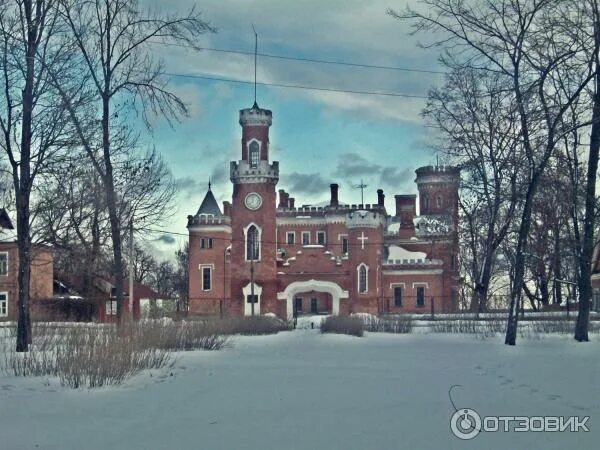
(209, 205)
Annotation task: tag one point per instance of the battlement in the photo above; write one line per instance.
(242, 171)
(437, 174)
(322, 210)
(255, 116)
(365, 219)
(207, 219)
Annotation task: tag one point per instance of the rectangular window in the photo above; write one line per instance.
(298, 305)
(4, 263)
(321, 237)
(313, 305)
(252, 298)
(3, 304)
(344, 245)
(290, 238)
(206, 243)
(398, 296)
(111, 307)
(306, 238)
(420, 296)
(206, 278)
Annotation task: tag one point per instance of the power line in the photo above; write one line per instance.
(292, 86)
(231, 240)
(309, 60)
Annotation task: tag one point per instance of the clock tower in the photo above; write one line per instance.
(253, 246)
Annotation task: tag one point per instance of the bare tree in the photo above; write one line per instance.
(32, 122)
(478, 131)
(590, 10)
(525, 42)
(119, 76)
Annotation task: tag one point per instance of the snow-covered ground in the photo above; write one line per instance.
(305, 390)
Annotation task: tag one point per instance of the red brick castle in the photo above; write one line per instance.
(262, 254)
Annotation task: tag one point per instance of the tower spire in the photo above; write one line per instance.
(209, 183)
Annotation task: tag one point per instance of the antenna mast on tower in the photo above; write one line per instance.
(362, 187)
(255, 60)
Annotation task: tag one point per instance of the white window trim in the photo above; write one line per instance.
(393, 287)
(209, 240)
(425, 286)
(324, 234)
(5, 300)
(7, 264)
(341, 238)
(248, 150)
(305, 233)
(111, 307)
(366, 291)
(288, 233)
(246, 228)
(212, 268)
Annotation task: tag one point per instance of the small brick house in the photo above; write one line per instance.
(41, 282)
(260, 255)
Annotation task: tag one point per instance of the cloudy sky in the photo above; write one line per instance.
(318, 137)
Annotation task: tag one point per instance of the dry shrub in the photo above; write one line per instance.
(94, 355)
(351, 325)
(482, 328)
(391, 324)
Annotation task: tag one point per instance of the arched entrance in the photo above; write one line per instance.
(298, 287)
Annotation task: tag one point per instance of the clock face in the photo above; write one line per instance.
(253, 201)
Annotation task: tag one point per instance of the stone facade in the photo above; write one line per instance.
(337, 258)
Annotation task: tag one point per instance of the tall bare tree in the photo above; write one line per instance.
(478, 131)
(32, 123)
(525, 42)
(119, 76)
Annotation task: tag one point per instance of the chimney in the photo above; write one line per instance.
(291, 201)
(283, 199)
(406, 208)
(380, 198)
(227, 209)
(334, 195)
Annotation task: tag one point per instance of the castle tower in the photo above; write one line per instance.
(253, 218)
(438, 222)
(209, 240)
(438, 192)
(365, 240)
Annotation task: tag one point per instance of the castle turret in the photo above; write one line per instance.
(438, 192)
(209, 238)
(365, 241)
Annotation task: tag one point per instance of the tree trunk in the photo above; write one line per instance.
(519, 270)
(111, 203)
(587, 247)
(23, 187)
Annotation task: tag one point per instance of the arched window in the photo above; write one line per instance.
(362, 278)
(254, 156)
(439, 201)
(425, 201)
(252, 243)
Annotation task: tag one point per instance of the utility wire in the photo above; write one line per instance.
(175, 233)
(308, 60)
(292, 86)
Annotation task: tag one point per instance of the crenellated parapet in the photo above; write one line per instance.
(365, 219)
(243, 172)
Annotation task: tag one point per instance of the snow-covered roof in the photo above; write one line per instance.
(399, 255)
(393, 227)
